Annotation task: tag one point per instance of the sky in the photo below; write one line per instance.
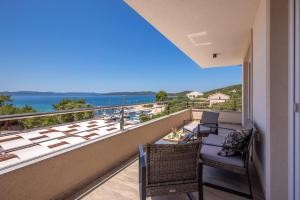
(93, 46)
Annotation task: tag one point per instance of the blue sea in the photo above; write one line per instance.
(44, 103)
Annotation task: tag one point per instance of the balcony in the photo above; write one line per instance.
(93, 166)
(123, 183)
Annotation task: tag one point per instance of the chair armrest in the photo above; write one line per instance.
(215, 145)
(142, 172)
(219, 127)
(216, 124)
(210, 125)
(229, 129)
(142, 156)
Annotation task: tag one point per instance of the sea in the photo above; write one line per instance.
(43, 103)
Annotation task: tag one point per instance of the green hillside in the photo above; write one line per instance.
(234, 91)
(179, 94)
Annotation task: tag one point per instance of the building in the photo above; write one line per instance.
(217, 98)
(194, 95)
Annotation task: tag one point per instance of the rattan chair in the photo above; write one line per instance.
(208, 125)
(236, 164)
(169, 169)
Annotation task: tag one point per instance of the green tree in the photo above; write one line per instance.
(143, 117)
(161, 96)
(9, 109)
(30, 122)
(4, 99)
(68, 104)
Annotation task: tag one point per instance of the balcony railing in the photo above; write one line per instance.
(116, 113)
(217, 104)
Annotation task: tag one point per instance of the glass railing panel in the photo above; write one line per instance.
(218, 104)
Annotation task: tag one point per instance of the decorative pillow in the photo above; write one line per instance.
(234, 140)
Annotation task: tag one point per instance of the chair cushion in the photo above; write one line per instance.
(193, 128)
(210, 153)
(214, 140)
(234, 140)
(204, 129)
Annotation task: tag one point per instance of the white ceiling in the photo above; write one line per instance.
(201, 28)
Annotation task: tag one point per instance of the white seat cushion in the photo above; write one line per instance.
(193, 128)
(210, 153)
(214, 140)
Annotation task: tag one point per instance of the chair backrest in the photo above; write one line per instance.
(172, 163)
(252, 130)
(210, 117)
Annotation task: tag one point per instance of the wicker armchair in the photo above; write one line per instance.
(208, 125)
(236, 164)
(168, 169)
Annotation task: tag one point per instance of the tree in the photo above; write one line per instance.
(4, 99)
(9, 109)
(161, 96)
(143, 117)
(67, 104)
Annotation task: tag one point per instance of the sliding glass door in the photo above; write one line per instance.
(294, 103)
(297, 99)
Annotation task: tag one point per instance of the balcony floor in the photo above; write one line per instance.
(124, 185)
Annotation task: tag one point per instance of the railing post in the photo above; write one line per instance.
(122, 118)
(234, 104)
(187, 104)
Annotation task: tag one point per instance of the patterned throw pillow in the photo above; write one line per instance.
(234, 140)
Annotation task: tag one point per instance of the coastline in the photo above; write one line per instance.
(44, 103)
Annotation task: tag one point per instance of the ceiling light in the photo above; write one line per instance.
(204, 44)
(197, 38)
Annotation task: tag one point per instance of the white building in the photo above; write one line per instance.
(193, 95)
(218, 98)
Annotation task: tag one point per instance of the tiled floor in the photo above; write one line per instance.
(124, 185)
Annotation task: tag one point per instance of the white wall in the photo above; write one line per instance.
(260, 84)
(270, 96)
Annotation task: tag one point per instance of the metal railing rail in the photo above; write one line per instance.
(63, 112)
(98, 108)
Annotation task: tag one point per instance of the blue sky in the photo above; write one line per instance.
(93, 46)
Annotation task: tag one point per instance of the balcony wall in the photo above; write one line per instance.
(225, 116)
(54, 177)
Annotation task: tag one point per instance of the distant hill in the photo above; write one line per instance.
(233, 91)
(130, 93)
(178, 94)
(34, 93)
(226, 90)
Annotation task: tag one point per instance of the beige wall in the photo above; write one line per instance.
(278, 101)
(270, 96)
(260, 86)
(63, 174)
(225, 116)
